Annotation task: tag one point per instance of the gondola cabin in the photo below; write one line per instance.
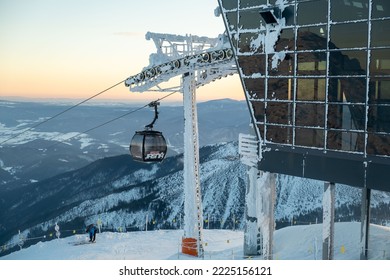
(148, 146)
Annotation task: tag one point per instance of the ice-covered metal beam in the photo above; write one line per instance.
(212, 64)
(208, 58)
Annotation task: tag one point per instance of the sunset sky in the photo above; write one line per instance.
(76, 48)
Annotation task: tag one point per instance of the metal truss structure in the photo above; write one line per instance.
(208, 58)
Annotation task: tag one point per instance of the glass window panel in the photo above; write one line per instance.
(310, 115)
(245, 44)
(312, 66)
(354, 116)
(380, 8)
(312, 12)
(229, 4)
(279, 112)
(284, 67)
(379, 91)
(351, 90)
(312, 38)
(286, 40)
(333, 140)
(250, 19)
(250, 3)
(254, 64)
(383, 118)
(378, 144)
(384, 92)
(347, 63)
(346, 117)
(313, 63)
(279, 89)
(309, 137)
(231, 18)
(289, 15)
(345, 10)
(152, 143)
(279, 134)
(379, 118)
(258, 110)
(136, 145)
(380, 62)
(351, 35)
(255, 87)
(345, 141)
(311, 89)
(335, 116)
(335, 92)
(357, 113)
(378, 31)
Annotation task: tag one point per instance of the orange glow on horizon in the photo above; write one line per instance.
(52, 87)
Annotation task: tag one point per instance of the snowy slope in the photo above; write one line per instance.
(123, 195)
(290, 243)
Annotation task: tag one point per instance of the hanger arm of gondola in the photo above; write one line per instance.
(153, 104)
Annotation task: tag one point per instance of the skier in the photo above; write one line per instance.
(91, 229)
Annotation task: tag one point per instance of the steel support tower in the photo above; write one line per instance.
(199, 61)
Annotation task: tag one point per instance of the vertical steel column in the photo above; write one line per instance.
(252, 234)
(328, 205)
(270, 216)
(193, 216)
(365, 222)
(260, 232)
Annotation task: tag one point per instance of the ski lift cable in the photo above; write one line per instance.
(109, 121)
(58, 139)
(62, 112)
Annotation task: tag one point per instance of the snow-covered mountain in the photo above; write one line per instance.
(125, 195)
(59, 145)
